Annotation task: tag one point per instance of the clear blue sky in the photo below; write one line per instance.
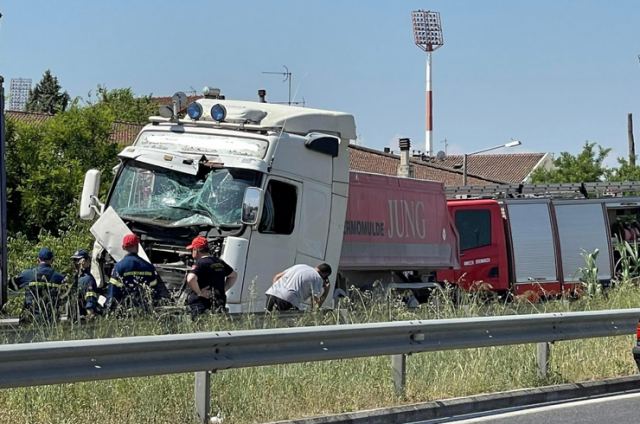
(551, 73)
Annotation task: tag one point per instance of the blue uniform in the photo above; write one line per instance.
(42, 288)
(132, 278)
(88, 293)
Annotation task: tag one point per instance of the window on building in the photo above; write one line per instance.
(279, 211)
(474, 228)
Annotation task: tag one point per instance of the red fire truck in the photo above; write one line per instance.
(532, 239)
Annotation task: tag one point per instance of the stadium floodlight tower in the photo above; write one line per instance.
(427, 33)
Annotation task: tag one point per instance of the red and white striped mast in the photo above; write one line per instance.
(427, 34)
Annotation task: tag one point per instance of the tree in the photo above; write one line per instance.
(124, 106)
(45, 167)
(625, 171)
(586, 166)
(47, 97)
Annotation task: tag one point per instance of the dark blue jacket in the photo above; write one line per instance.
(88, 292)
(42, 286)
(128, 279)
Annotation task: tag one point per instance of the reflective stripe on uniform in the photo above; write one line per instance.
(90, 294)
(44, 284)
(116, 282)
(137, 274)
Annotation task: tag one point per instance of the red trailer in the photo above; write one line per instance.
(395, 225)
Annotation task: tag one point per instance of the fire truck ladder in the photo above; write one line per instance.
(566, 190)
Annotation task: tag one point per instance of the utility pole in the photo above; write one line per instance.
(3, 203)
(632, 144)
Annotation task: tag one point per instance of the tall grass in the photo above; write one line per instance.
(288, 391)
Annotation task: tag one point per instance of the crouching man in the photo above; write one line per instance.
(300, 284)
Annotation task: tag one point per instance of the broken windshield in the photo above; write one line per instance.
(170, 198)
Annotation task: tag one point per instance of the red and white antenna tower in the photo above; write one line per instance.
(427, 34)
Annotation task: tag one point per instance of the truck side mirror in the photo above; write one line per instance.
(251, 205)
(89, 202)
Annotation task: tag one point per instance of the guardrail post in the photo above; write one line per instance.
(399, 372)
(543, 354)
(203, 395)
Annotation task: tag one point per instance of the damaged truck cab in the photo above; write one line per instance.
(261, 181)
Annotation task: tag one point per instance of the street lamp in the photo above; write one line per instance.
(427, 34)
(512, 143)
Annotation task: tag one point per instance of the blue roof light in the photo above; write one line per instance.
(218, 112)
(194, 111)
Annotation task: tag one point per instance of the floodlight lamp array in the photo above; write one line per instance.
(427, 29)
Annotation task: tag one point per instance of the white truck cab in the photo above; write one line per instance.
(261, 181)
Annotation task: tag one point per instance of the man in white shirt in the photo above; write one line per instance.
(294, 286)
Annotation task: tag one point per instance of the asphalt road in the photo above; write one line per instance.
(618, 409)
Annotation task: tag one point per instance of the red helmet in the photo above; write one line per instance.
(198, 243)
(130, 240)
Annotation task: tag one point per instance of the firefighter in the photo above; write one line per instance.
(42, 286)
(208, 279)
(134, 282)
(87, 288)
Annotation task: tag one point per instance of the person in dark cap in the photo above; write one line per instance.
(134, 282)
(42, 286)
(86, 286)
(208, 279)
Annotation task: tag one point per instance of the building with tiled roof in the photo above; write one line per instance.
(509, 168)
(27, 117)
(513, 168)
(121, 133)
(124, 132)
(167, 100)
(369, 160)
(482, 169)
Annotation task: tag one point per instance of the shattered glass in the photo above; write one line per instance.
(176, 199)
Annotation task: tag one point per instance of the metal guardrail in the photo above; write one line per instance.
(87, 360)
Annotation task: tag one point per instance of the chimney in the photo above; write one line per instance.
(405, 169)
(262, 94)
(387, 150)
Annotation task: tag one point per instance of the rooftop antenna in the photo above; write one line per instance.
(446, 145)
(287, 77)
(427, 34)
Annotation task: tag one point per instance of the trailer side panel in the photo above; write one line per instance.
(397, 224)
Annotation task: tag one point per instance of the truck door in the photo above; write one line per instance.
(314, 223)
(273, 244)
(533, 246)
(483, 261)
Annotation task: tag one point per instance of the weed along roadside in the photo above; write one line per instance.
(257, 394)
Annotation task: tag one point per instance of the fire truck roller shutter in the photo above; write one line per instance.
(582, 228)
(532, 241)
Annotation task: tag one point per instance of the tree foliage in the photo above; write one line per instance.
(625, 171)
(586, 166)
(124, 106)
(46, 163)
(47, 97)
